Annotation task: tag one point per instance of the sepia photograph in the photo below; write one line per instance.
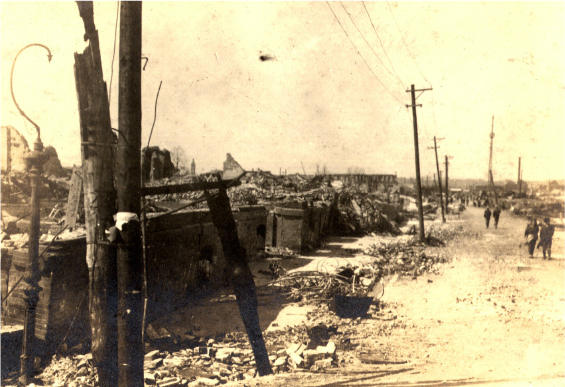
(282, 193)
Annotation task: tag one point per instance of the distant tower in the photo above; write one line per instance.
(193, 168)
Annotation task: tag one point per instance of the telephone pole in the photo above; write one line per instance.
(490, 176)
(439, 181)
(446, 184)
(128, 179)
(519, 179)
(412, 92)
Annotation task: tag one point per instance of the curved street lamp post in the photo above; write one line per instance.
(34, 161)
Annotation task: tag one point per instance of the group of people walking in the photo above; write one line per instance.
(545, 230)
(495, 214)
(541, 233)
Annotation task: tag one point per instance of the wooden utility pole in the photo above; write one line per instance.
(519, 177)
(412, 91)
(128, 179)
(446, 185)
(439, 182)
(99, 200)
(490, 175)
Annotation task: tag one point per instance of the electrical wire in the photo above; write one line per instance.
(155, 115)
(434, 113)
(113, 53)
(355, 47)
(363, 36)
(404, 41)
(381, 43)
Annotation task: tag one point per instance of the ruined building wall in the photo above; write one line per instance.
(372, 182)
(184, 253)
(14, 147)
(297, 229)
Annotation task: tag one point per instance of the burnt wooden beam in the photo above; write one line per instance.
(188, 187)
(99, 200)
(240, 275)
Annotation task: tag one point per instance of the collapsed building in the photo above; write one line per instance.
(274, 215)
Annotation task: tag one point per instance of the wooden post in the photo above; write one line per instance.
(446, 184)
(439, 183)
(128, 179)
(519, 177)
(417, 158)
(240, 276)
(99, 200)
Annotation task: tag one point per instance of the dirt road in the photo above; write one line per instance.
(492, 315)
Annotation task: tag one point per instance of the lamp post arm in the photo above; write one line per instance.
(49, 56)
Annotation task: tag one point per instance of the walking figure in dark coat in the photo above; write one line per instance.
(496, 216)
(531, 235)
(545, 237)
(487, 215)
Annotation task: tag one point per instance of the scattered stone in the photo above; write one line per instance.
(150, 378)
(169, 382)
(151, 355)
(323, 364)
(296, 360)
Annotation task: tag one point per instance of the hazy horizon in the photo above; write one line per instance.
(314, 101)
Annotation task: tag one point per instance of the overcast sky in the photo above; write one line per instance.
(316, 101)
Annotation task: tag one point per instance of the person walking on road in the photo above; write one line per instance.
(531, 235)
(487, 215)
(496, 216)
(546, 237)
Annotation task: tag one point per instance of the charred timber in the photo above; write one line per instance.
(99, 200)
(189, 187)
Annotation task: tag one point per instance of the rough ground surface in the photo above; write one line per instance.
(488, 316)
(491, 315)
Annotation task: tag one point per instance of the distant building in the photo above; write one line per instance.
(193, 168)
(14, 147)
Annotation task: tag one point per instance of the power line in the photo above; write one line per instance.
(381, 43)
(113, 54)
(353, 44)
(404, 41)
(434, 112)
(155, 116)
(360, 33)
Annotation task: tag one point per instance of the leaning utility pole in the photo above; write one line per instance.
(439, 181)
(412, 91)
(99, 200)
(128, 179)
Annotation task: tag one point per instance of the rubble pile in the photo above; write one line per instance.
(323, 286)
(70, 371)
(404, 258)
(547, 208)
(16, 188)
(196, 361)
(362, 213)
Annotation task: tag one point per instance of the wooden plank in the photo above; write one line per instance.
(188, 187)
(74, 198)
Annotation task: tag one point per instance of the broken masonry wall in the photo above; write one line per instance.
(297, 229)
(184, 253)
(14, 147)
(371, 182)
(62, 299)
